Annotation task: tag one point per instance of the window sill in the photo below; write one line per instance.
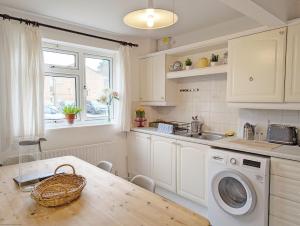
(78, 124)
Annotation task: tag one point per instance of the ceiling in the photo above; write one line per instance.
(107, 15)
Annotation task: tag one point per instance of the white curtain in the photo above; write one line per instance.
(124, 79)
(21, 83)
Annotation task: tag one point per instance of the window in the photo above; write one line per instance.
(97, 75)
(54, 58)
(59, 91)
(78, 77)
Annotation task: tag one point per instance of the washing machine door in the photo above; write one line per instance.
(233, 192)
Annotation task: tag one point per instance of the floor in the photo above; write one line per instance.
(182, 201)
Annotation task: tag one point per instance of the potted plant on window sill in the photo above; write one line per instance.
(107, 98)
(70, 112)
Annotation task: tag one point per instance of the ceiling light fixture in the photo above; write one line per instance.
(150, 18)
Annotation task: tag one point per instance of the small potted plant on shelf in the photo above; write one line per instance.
(70, 112)
(107, 98)
(188, 64)
(214, 60)
(140, 117)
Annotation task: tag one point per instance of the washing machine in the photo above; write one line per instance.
(238, 189)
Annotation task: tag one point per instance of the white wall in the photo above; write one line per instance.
(209, 103)
(77, 136)
(221, 29)
(283, 9)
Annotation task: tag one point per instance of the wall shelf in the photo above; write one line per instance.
(214, 70)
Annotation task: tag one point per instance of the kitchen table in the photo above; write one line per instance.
(107, 200)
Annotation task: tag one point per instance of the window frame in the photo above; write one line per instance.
(111, 79)
(80, 77)
(77, 96)
(53, 67)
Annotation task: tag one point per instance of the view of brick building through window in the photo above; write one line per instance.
(76, 87)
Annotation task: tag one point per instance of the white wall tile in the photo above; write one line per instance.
(209, 103)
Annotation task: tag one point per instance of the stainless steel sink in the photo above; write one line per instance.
(211, 136)
(207, 136)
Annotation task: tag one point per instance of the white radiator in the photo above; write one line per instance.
(90, 153)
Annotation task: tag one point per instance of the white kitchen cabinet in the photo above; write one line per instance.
(292, 84)
(163, 162)
(284, 192)
(146, 79)
(257, 67)
(139, 154)
(274, 221)
(159, 78)
(154, 88)
(192, 171)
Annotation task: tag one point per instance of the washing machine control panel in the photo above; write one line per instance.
(251, 163)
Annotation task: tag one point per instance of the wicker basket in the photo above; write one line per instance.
(59, 189)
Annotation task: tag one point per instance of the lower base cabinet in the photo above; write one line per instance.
(192, 171)
(284, 193)
(177, 166)
(139, 154)
(163, 162)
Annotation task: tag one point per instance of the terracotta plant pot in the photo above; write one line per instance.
(140, 122)
(70, 118)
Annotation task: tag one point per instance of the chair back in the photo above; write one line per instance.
(144, 182)
(105, 165)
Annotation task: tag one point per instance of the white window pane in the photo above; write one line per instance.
(58, 92)
(59, 59)
(97, 72)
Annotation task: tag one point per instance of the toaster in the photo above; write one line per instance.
(282, 134)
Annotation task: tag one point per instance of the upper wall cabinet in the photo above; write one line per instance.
(292, 84)
(257, 67)
(154, 89)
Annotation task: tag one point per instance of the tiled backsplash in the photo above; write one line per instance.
(261, 118)
(209, 103)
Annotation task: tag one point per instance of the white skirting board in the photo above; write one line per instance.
(202, 210)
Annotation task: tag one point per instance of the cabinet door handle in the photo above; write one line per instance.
(162, 98)
(251, 78)
(174, 143)
(281, 32)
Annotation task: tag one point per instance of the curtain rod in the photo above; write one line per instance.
(35, 23)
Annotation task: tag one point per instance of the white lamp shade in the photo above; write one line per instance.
(150, 18)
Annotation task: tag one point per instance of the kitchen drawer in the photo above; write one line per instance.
(285, 209)
(285, 188)
(275, 221)
(285, 168)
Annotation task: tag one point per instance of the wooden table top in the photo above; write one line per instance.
(106, 200)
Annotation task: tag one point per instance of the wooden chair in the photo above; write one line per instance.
(105, 165)
(144, 182)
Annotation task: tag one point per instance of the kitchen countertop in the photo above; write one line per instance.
(283, 151)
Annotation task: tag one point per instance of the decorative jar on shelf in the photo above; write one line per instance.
(203, 62)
